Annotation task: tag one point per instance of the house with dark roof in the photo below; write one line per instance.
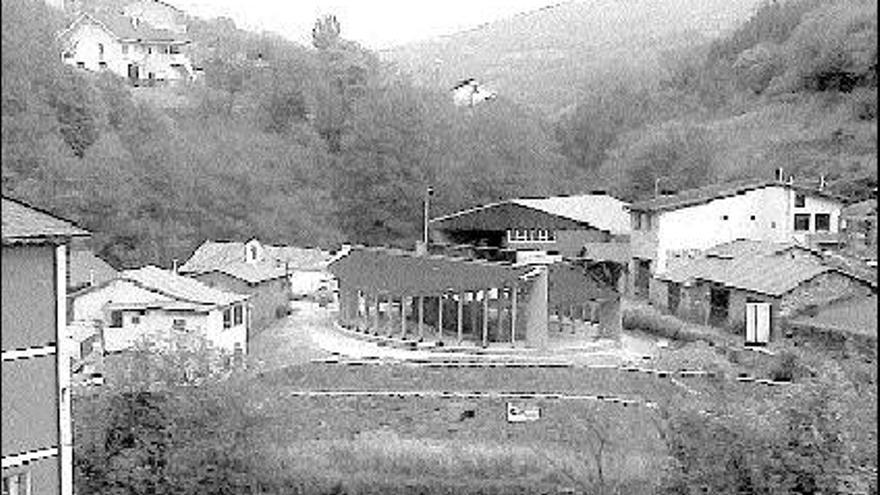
(37, 447)
(156, 304)
(697, 219)
(265, 272)
(517, 228)
(714, 286)
(128, 45)
(468, 92)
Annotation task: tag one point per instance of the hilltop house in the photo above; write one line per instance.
(267, 273)
(667, 227)
(128, 45)
(37, 447)
(152, 303)
(715, 286)
(469, 92)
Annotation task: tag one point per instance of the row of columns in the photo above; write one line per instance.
(365, 310)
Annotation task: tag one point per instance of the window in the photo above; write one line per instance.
(800, 200)
(136, 320)
(100, 50)
(125, 49)
(174, 49)
(238, 315)
(81, 65)
(17, 484)
(822, 222)
(178, 323)
(801, 222)
(752, 218)
(530, 235)
(636, 221)
(102, 65)
(227, 318)
(646, 221)
(116, 319)
(725, 217)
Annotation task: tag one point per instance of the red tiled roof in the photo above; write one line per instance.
(25, 224)
(180, 287)
(125, 28)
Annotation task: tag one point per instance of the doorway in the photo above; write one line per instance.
(673, 297)
(719, 306)
(133, 73)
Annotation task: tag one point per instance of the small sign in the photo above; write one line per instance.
(521, 413)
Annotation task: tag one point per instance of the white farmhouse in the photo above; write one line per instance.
(469, 92)
(128, 46)
(668, 227)
(153, 303)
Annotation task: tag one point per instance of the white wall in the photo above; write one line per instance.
(83, 42)
(702, 226)
(91, 306)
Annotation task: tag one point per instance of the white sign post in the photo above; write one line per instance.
(521, 413)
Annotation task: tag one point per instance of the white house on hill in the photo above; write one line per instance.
(469, 92)
(128, 45)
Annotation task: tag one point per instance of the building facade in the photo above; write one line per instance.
(672, 226)
(152, 303)
(127, 46)
(37, 445)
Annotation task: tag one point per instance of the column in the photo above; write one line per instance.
(499, 324)
(513, 292)
(402, 316)
(474, 313)
(376, 313)
(485, 318)
(440, 317)
(536, 311)
(460, 326)
(421, 317)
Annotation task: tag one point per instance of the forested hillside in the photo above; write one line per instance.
(301, 145)
(323, 144)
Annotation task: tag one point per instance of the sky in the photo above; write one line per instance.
(375, 24)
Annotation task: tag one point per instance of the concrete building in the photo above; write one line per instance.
(402, 293)
(128, 46)
(152, 303)
(37, 445)
(245, 268)
(774, 211)
(714, 286)
(517, 229)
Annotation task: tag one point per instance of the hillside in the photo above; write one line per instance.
(543, 58)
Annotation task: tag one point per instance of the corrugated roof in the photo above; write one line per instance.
(124, 28)
(767, 269)
(298, 258)
(85, 267)
(254, 273)
(618, 252)
(180, 287)
(705, 194)
(599, 210)
(24, 224)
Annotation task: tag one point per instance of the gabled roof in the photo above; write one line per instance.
(229, 258)
(762, 267)
(125, 28)
(179, 287)
(600, 211)
(866, 208)
(23, 224)
(85, 267)
(712, 192)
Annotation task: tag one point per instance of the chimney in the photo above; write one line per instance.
(91, 278)
(790, 180)
(821, 182)
(779, 175)
(174, 265)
